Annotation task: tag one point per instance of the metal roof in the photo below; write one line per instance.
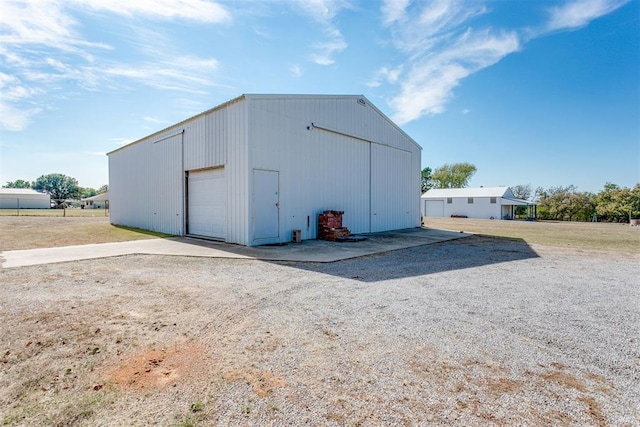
(22, 192)
(98, 197)
(469, 192)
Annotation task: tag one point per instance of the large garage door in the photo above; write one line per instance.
(392, 190)
(434, 208)
(207, 199)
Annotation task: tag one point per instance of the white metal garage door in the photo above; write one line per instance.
(391, 189)
(207, 203)
(434, 208)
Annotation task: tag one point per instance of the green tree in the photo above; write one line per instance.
(523, 192)
(425, 179)
(618, 204)
(565, 203)
(103, 189)
(18, 183)
(87, 192)
(60, 187)
(456, 175)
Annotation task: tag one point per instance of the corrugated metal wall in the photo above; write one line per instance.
(145, 183)
(318, 169)
(146, 178)
(341, 170)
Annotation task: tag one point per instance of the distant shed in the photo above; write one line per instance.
(99, 201)
(23, 198)
(478, 202)
(255, 168)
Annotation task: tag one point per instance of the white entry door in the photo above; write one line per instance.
(266, 204)
(207, 203)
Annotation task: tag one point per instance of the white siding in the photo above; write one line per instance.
(145, 184)
(166, 188)
(24, 200)
(318, 169)
(393, 193)
(481, 207)
(322, 169)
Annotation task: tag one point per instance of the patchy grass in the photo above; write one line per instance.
(31, 232)
(575, 235)
(71, 212)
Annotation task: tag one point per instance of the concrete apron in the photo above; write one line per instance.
(307, 251)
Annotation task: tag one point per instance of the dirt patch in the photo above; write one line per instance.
(156, 369)
(262, 382)
(564, 379)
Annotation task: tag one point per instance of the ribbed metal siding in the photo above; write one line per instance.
(217, 139)
(237, 173)
(324, 170)
(167, 186)
(130, 174)
(145, 183)
(392, 195)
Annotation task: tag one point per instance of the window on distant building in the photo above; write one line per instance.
(449, 200)
(492, 200)
(470, 200)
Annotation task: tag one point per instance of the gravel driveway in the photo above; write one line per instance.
(476, 331)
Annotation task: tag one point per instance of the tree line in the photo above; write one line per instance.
(59, 186)
(612, 204)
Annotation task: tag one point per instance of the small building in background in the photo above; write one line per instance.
(23, 198)
(259, 167)
(99, 201)
(479, 202)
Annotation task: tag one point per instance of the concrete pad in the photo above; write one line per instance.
(307, 251)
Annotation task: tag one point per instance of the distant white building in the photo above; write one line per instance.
(481, 202)
(99, 201)
(23, 198)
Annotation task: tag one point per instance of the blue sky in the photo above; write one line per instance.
(545, 93)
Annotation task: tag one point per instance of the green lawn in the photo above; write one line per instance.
(577, 235)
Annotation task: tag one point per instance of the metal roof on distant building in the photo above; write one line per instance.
(21, 191)
(470, 192)
(504, 193)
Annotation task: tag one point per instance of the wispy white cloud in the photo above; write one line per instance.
(42, 47)
(195, 10)
(13, 91)
(295, 71)
(154, 120)
(324, 12)
(578, 13)
(441, 47)
(385, 74)
(393, 10)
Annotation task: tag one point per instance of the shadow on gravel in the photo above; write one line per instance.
(473, 251)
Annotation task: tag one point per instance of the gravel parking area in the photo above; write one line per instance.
(476, 331)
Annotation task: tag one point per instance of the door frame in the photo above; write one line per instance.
(275, 238)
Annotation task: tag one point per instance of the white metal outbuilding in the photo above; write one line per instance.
(99, 201)
(254, 169)
(23, 198)
(473, 202)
